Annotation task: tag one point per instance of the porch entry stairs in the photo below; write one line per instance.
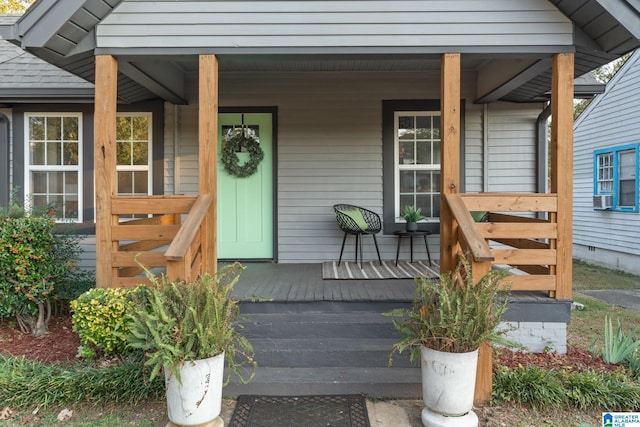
(325, 348)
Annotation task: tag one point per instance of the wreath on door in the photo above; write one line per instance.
(234, 142)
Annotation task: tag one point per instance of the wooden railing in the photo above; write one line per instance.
(139, 242)
(521, 242)
(184, 256)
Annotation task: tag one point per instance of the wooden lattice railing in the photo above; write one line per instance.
(143, 241)
(518, 239)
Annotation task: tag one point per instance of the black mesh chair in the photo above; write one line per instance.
(357, 221)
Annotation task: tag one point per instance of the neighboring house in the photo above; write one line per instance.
(375, 103)
(606, 165)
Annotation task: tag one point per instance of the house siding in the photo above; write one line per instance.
(606, 238)
(329, 148)
(304, 25)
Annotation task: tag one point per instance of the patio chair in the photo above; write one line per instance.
(357, 221)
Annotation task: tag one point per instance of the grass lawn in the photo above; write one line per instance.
(588, 325)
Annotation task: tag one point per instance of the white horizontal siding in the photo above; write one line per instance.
(610, 122)
(334, 24)
(511, 150)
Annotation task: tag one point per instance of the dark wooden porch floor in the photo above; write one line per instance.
(304, 283)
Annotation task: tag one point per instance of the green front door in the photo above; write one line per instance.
(245, 205)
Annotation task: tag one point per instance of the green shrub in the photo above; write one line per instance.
(101, 317)
(34, 260)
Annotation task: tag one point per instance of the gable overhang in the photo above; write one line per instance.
(65, 33)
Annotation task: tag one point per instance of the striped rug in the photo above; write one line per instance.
(373, 270)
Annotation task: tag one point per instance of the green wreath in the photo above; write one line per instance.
(232, 144)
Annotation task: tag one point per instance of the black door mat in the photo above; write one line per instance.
(300, 411)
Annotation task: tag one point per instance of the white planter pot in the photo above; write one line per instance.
(198, 399)
(448, 386)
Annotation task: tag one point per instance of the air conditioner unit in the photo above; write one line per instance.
(602, 201)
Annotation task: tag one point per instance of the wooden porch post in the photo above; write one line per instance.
(208, 155)
(450, 153)
(104, 119)
(562, 166)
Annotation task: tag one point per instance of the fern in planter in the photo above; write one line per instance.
(176, 322)
(454, 314)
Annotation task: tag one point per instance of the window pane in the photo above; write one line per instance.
(436, 152)
(71, 208)
(36, 153)
(125, 183)
(424, 153)
(627, 164)
(140, 128)
(38, 182)
(425, 182)
(56, 182)
(423, 127)
(424, 203)
(405, 127)
(405, 154)
(140, 182)
(627, 196)
(54, 128)
(54, 155)
(123, 128)
(123, 153)
(407, 182)
(140, 153)
(36, 128)
(70, 153)
(71, 182)
(70, 128)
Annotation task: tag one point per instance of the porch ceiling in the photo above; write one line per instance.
(63, 33)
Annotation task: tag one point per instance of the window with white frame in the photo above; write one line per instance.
(53, 153)
(616, 175)
(417, 162)
(133, 154)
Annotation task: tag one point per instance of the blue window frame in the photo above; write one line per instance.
(615, 174)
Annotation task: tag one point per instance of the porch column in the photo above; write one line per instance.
(450, 153)
(104, 137)
(208, 155)
(562, 166)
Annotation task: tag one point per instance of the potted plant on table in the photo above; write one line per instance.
(412, 215)
(445, 326)
(188, 329)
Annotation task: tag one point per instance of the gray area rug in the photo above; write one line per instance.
(372, 270)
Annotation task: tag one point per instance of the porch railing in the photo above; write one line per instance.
(139, 242)
(512, 237)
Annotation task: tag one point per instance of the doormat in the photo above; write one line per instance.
(304, 411)
(373, 270)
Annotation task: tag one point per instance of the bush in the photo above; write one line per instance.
(101, 317)
(34, 260)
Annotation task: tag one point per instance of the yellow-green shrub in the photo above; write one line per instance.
(100, 317)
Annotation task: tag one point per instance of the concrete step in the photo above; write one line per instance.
(325, 348)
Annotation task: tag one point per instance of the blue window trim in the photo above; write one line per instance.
(616, 179)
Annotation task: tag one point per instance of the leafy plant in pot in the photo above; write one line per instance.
(444, 328)
(189, 329)
(412, 215)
